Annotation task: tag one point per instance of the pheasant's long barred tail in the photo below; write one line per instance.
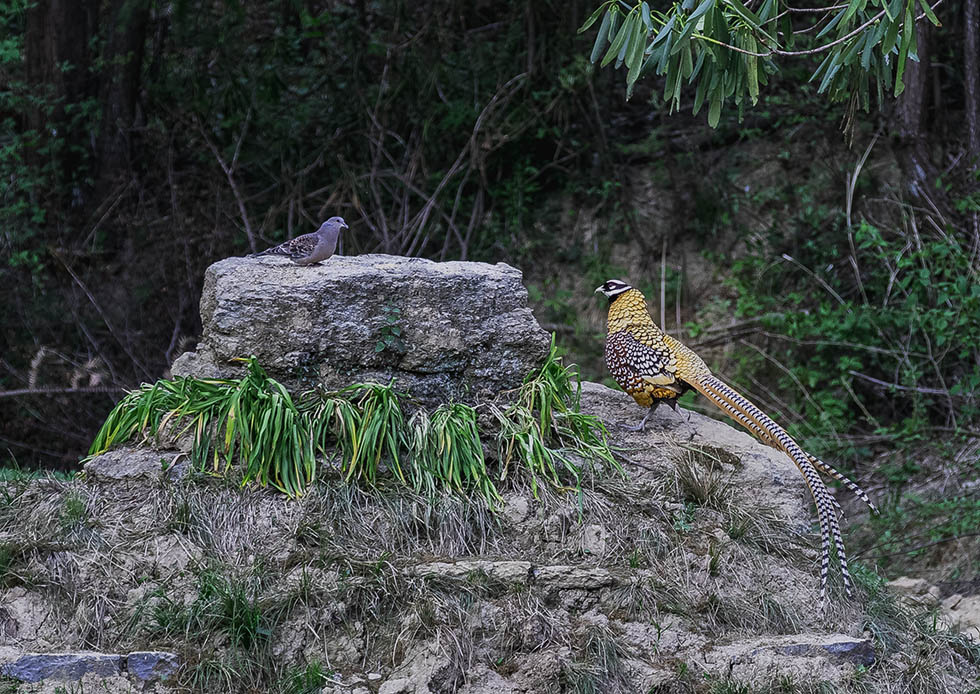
(823, 467)
(751, 417)
(831, 471)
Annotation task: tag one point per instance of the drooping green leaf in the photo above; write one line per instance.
(714, 112)
(702, 9)
(629, 26)
(929, 13)
(665, 31)
(593, 17)
(687, 62)
(891, 37)
(908, 32)
(893, 8)
(831, 24)
(853, 7)
(832, 70)
(600, 39)
(870, 41)
(618, 42)
(662, 65)
(752, 67)
(699, 93)
(636, 53)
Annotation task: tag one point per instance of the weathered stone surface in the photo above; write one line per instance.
(506, 571)
(34, 667)
(822, 655)
(465, 327)
(752, 466)
(574, 577)
(915, 591)
(964, 614)
(130, 463)
(152, 665)
(26, 619)
(425, 670)
(839, 647)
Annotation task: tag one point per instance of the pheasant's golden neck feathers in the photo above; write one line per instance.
(629, 311)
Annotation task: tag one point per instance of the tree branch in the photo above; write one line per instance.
(59, 391)
(229, 173)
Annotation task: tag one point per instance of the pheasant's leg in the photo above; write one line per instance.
(693, 433)
(643, 423)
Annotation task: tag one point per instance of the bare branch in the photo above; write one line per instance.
(59, 391)
(229, 173)
(105, 319)
(914, 389)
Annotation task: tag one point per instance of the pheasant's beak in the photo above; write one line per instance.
(597, 290)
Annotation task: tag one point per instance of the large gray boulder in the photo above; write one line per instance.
(465, 327)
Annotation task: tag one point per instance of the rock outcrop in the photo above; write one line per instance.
(697, 569)
(442, 330)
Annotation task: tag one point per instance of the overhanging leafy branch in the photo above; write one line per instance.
(726, 49)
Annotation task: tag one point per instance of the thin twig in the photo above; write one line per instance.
(819, 279)
(420, 219)
(59, 391)
(105, 318)
(925, 546)
(799, 384)
(914, 389)
(229, 174)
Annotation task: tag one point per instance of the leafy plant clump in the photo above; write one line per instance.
(253, 417)
(254, 420)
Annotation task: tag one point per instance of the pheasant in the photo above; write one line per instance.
(655, 368)
(311, 248)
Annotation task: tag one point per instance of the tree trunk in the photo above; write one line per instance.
(971, 79)
(57, 64)
(910, 120)
(124, 61)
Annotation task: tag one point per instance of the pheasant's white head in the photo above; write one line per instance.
(613, 288)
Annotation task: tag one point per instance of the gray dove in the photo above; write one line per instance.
(310, 249)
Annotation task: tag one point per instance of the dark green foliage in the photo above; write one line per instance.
(905, 327)
(927, 531)
(391, 331)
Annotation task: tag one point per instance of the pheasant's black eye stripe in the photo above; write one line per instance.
(655, 368)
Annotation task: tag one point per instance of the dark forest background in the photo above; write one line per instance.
(824, 258)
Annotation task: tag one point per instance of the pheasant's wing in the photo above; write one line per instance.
(643, 368)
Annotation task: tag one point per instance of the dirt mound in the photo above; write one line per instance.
(696, 571)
